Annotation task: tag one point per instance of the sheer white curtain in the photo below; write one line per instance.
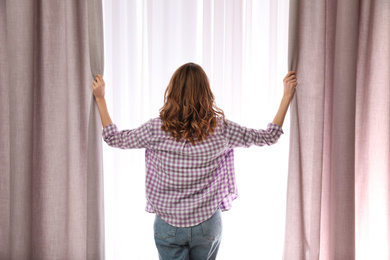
(242, 45)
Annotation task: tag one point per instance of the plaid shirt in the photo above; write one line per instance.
(185, 183)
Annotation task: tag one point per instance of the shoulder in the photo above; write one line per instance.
(228, 124)
(150, 126)
(155, 122)
(226, 127)
(154, 125)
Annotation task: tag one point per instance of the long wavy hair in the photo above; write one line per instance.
(189, 110)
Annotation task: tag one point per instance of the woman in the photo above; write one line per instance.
(190, 175)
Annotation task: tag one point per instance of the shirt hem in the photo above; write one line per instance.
(227, 207)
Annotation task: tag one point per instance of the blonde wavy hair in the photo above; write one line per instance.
(189, 110)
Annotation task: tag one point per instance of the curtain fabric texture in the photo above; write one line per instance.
(338, 201)
(51, 188)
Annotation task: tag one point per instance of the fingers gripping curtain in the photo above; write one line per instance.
(51, 185)
(338, 204)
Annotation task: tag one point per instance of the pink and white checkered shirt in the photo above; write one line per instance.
(186, 184)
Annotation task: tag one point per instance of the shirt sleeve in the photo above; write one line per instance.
(239, 136)
(127, 139)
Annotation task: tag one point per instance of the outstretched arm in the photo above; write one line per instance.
(289, 82)
(99, 91)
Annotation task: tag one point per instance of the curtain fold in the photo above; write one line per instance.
(51, 183)
(338, 199)
(95, 190)
(4, 133)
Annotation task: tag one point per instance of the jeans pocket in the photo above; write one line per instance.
(212, 228)
(162, 229)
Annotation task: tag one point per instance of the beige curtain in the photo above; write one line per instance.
(338, 204)
(51, 188)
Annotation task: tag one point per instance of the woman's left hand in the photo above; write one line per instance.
(99, 87)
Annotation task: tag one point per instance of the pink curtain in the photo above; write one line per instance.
(338, 204)
(51, 178)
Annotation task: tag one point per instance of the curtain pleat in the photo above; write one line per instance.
(95, 224)
(51, 182)
(338, 199)
(306, 124)
(4, 137)
(372, 141)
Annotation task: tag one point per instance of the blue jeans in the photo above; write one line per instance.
(200, 242)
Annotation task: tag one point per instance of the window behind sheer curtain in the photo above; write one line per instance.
(242, 45)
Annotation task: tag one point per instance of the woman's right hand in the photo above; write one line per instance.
(290, 82)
